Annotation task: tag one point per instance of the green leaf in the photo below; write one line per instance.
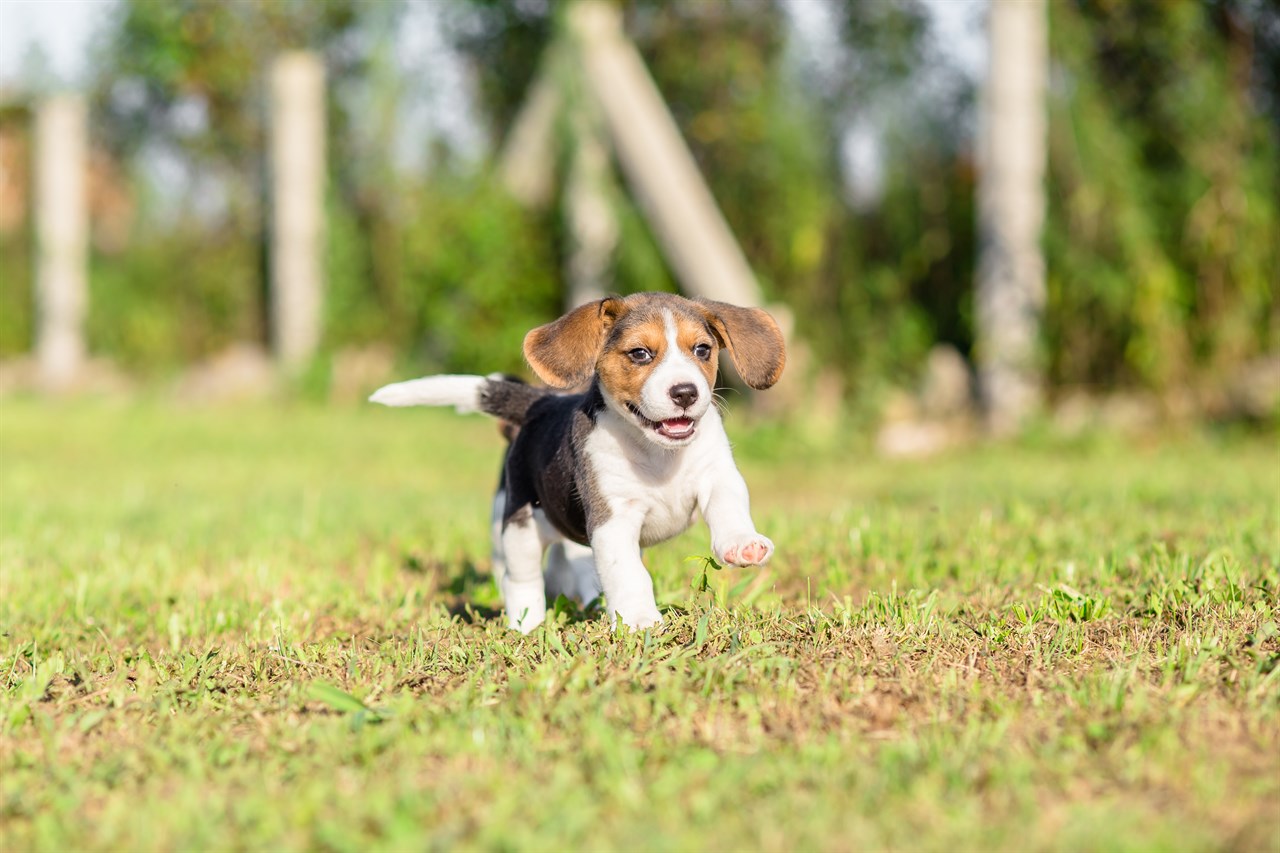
(34, 687)
(90, 721)
(337, 699)
(700, 633)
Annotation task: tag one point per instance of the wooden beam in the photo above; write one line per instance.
(593, 229)
(527, 162)
(656, 162)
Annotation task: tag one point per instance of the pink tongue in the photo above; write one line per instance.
(677, 426)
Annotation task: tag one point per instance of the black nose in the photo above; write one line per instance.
(684, 394)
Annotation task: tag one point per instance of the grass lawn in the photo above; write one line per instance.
(274, 628)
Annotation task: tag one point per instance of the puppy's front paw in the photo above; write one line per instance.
(642, 621)
(749, 549)
(636, 615)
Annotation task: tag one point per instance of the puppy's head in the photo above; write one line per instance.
(655, 356)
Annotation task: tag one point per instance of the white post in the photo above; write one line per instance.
(1010, 293)
(62, 237)
(297, 192)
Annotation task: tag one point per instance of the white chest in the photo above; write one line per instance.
(656, 488)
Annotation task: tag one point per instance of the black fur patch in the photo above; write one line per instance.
(546, 467)
(509, 399)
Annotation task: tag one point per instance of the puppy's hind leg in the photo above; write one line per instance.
(499, 557)
(558, 574)
(583, 563)
(571, 572)
(522, 585)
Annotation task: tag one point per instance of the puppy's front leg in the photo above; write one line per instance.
(726, 506)
(628, 589)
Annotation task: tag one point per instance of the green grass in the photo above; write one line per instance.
(274, 628)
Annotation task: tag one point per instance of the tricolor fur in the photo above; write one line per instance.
(592, 477)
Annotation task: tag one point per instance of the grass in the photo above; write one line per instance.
(274, 628)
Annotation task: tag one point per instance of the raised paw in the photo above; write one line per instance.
(746, 550)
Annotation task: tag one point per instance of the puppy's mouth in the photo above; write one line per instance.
(674, 429)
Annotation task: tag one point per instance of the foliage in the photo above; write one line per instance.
(274, 627)
(187, 81)
(1164, 149)
(766, 144)
(192, 73)
(480, 275)
(17, 268)
(174, 299)
(1161, 248)
(15, 294)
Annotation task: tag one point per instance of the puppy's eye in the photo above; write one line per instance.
(702, 351)
(640, 355)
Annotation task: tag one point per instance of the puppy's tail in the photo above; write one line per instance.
(503, 397)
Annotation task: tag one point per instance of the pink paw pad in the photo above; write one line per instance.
(751, 553)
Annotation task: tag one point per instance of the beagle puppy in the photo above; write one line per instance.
(593, 477)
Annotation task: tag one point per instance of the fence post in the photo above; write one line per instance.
(297, 208)
(62, 238)
(1010, 293)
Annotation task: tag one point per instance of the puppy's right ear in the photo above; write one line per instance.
(564, 353)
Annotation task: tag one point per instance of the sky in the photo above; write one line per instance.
(60, 29)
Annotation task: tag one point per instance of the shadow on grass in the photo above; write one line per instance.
(463, 585)
(471, 613)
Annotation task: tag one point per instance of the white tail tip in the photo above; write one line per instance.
(461, 392)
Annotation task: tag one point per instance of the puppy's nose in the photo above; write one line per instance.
(684, 394)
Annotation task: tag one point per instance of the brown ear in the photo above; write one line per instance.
(753, 340)
(564, 353)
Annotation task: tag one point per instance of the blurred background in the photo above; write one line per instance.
(972, 216)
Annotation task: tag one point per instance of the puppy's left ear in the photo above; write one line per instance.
(564, 353)
(753, 339)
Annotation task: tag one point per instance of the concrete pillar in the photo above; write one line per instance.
(62, 238)
(1010, 293)
(297, 209)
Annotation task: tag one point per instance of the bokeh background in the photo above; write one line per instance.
(240, 608)
(839, 140)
